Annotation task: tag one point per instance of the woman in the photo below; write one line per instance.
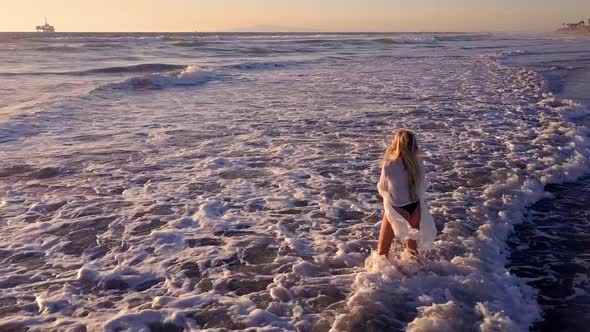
(403, 187)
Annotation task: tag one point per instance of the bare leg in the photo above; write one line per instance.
(385, 237)
(415, 223)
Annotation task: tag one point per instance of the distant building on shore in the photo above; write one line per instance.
(46, 27)
(575, 28)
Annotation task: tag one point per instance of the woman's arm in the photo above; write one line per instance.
(382, 185)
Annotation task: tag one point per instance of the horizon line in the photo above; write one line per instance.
(294, 31)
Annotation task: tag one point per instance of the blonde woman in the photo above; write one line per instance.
(403, 187)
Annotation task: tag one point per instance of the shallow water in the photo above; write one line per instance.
(228, 181)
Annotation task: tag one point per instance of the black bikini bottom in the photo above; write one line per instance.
(410, 208)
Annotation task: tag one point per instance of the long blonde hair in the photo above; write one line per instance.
(404, 146)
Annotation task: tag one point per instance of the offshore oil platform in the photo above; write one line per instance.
(46, 27)
(575, 28)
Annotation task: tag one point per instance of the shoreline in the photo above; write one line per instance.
(549, 254)
(536, 245)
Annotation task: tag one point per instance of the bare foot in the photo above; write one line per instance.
(409, 255)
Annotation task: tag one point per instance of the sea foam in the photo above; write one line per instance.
(184, 200)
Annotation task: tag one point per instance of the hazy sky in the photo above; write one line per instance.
(319, 15)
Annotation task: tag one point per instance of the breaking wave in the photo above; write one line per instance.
(141, 68)
(174, 75)
(191, 75)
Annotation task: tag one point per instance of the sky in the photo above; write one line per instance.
(303, 15)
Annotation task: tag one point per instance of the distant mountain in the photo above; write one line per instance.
(272, 28)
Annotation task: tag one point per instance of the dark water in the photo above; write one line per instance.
(553, 250)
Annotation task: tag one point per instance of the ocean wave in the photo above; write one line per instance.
(406, 41)
(141, 68)
(190, 43)
(265, 65)
(367, 41)
(104, 45)
(461, 37)
(504, 54)
(161, 74)
(174, 75)
(58, 48)
(98, 37)
(323, 41)
(191, 75)
(77, 47)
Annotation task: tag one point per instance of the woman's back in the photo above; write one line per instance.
(403, 188)
(396, 181)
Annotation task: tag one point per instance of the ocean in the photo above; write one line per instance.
(203, 181)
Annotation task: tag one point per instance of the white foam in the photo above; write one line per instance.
(476, 289)
(191, 75)
(252, 203)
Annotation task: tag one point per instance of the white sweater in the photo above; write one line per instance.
(394, 179)
(394, 188)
